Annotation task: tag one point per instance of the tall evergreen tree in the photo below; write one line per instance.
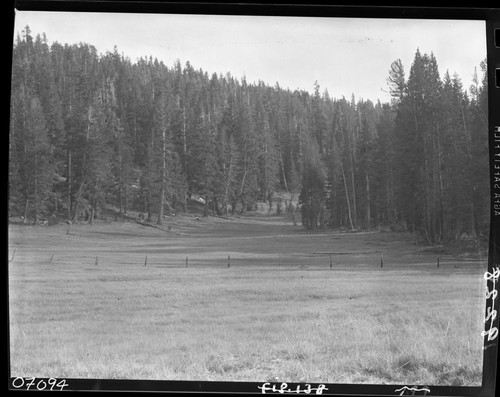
(313, 193)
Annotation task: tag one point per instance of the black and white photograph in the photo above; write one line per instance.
(245, 198)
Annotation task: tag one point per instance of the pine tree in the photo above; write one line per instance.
(313, 193)
(384, 167)
(267, 156)
(396, 81)
(247, 167)
(478, 173)
(34, 160)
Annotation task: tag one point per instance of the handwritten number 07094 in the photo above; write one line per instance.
(31, 383)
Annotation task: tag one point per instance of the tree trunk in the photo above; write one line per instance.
(69, 184)
(162, 178)
(149, 182)
(283, 172)
(120, 187)
(217, 209)
(226, 193)
(368, 215)
(355, 212)
(125, 200)
(25, 216)
(245, 172)
(35, 171)
(425, 190)
(346, 195)
(120, 208)
(466, 133)
(442, 224)
(78, 195)
(184, 139)
(184, 201)
(160, 211)
(390, 202)
(205, 207)
(427, 210)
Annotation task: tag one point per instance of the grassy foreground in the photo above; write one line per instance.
(273, 315)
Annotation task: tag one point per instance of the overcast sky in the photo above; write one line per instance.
(344, 55)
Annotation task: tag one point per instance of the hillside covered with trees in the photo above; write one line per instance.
(89, 130)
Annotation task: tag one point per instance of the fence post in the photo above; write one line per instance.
(146, 261)
(381, 260)
(52, 256)
(438, 262)
(331, 264)
(228, 261)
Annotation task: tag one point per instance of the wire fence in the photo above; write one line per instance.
(311, 260)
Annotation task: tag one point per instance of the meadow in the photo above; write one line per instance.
(116, 300)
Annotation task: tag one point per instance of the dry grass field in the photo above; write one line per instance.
(278, 313)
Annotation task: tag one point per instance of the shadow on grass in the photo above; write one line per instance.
(412, 369)
(220, 365)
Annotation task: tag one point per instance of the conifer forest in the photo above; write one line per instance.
(90, 131)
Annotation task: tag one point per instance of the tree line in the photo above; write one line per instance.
(91, 130)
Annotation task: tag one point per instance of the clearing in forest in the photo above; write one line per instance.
(258, 301)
